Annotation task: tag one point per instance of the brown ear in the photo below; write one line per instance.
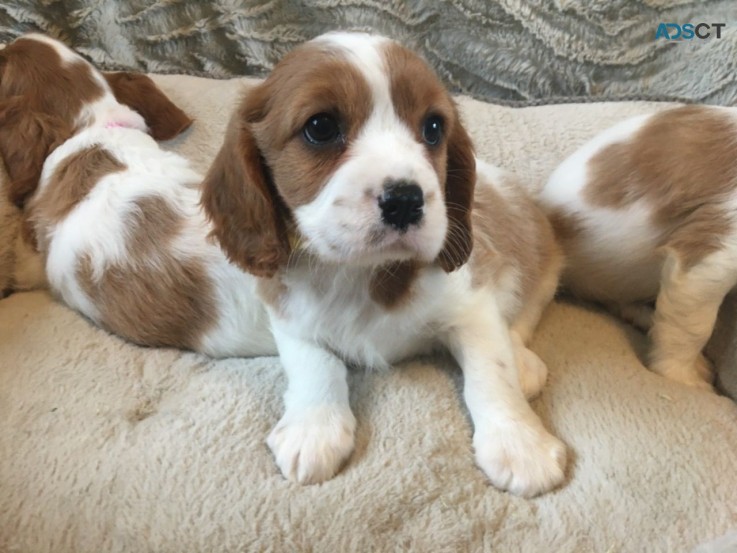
(26, 139)
(240, 199)
(138, 92)
(459, 186)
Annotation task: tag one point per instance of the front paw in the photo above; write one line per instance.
(698, 375)
(521, 458)
(310, 445)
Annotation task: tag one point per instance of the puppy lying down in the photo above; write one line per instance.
(345, 220)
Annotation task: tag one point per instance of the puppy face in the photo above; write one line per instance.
(362, 155)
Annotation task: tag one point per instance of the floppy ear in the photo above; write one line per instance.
(459, 186)
(241, 201)
(26, 139)
(138, 92)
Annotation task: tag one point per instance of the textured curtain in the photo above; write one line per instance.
(498, 50)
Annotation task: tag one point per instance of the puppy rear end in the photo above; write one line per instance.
(647, 211)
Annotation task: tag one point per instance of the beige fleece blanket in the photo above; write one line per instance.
(108, 447)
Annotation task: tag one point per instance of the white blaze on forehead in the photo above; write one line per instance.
(384, 136)
(365, 52)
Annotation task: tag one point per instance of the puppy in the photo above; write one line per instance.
(346, 230)
(647, 211)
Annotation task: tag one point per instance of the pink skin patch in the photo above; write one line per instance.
(118, 124)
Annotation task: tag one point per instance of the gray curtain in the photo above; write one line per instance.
(498, 50)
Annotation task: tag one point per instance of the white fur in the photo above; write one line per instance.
(325, 318)
(96, 227)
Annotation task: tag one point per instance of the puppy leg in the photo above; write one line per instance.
(685, 313)
(316, 433)
(533, 372)
(529, 316)
(512, 446)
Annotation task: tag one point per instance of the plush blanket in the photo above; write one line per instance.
(514, 50)
(105, 446)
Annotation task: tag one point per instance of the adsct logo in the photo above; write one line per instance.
(687, 31)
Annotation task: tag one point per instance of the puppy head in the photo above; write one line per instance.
(353, 144)
(48, 93)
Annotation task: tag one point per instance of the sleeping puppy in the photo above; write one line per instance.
(344, 190)
(647, 211)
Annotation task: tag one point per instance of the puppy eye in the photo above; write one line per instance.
(432, 130)
(321, 129)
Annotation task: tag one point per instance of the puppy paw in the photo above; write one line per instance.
(310, 445)
(523, 459)
(704, 369)
(699, 375)
(533, 373)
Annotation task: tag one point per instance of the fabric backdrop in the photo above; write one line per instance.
(499, 50)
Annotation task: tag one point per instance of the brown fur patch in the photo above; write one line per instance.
(700, 233)
(164, 119)
(416, 94)
(26, 139)
(34, 70)
(510, 233)
(248, 218)
(153, 299)
(41, 96)
(391, 285)
(682, 162)
(70, 183)
(566, 226)
(307, 82)
(28, 234)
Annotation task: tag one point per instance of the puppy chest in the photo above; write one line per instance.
(346, 320)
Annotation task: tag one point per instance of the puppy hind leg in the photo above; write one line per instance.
(529, 316)
(533, 372)
(685, 314)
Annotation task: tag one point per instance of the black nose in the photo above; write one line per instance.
(401, 205)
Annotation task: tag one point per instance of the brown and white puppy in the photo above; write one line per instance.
(346, 185)
(647, 211)
(47, 95)
(116, 219)
(345, 190)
